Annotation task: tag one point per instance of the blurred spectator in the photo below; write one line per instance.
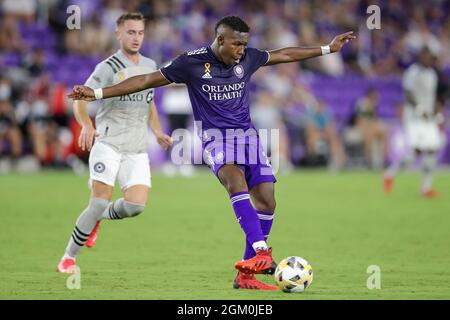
(21, 9)
(421, 36)
(177, 106)
(5, 89)
(93, 39)
(111, 12)
(10, 137)
(320, 129)
(266, 115)
(35, 63)
(42, 118)
(10, 37)
(33, 118)
(96, 39)
(372, 128)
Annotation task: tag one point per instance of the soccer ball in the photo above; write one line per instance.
(293, 274)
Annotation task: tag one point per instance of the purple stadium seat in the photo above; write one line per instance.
(12, 59)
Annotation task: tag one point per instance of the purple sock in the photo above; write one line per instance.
(266, 220)
(247, 217)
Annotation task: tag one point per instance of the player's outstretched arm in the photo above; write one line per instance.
(133, 84)
(88, 133)
(293, 54)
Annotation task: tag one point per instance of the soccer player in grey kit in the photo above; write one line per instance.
(121, 140)
(217, 79)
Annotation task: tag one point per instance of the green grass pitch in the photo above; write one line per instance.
(185, 243)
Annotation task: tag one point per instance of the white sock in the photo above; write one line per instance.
(429, 163)
(84, 225)
(260, 245)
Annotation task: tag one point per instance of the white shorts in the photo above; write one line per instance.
(423, 135)
(105, 165)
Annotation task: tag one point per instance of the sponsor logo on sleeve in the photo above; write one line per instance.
(207, 74)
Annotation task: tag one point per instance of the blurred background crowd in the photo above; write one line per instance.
(340, 110)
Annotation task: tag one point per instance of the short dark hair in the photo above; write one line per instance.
(130, 16)
(234, 22)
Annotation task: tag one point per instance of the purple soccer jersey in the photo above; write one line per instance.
(219, 93)
(220, 98)
(220, 101)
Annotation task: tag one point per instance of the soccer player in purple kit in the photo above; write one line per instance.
(217, 78)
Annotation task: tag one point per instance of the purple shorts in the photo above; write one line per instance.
(245, 152)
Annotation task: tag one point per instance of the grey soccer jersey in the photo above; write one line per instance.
(122, 122)
(422, 83)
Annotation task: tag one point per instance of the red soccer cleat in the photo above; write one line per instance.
(430, 194)
(259, 264)
(248, 281)
(93, 236)
(388, 183)
(66, 265)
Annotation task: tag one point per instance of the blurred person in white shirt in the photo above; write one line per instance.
(421, 121)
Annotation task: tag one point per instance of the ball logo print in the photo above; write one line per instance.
(99, 167)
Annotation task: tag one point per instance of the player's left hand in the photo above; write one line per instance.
(339, 41)
(164, 140)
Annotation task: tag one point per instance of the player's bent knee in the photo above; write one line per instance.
(267, 206)
(133, 209)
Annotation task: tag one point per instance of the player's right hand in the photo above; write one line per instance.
(339, 41)
(86, 138)
(82, 93)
